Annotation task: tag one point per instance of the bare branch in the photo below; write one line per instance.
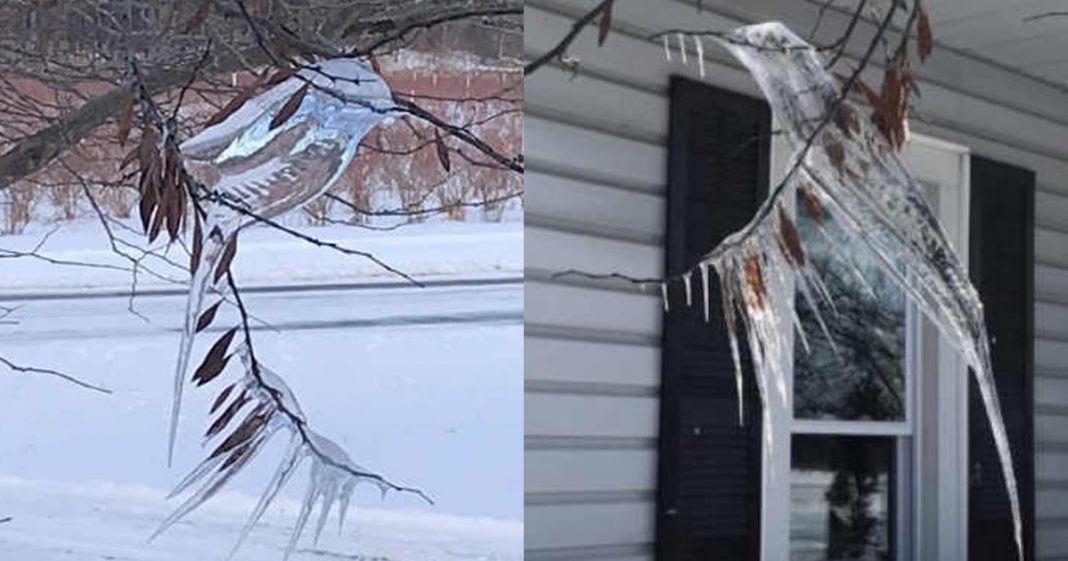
(34, 370)
(561, 47)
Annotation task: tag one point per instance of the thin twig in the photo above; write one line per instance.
(564, 43)
(1045, 15)
(46, 371)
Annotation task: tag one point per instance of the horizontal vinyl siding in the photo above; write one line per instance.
(594, 201)
(1051, 381)
(596, 157)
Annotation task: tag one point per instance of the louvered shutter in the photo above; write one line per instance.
(708, 501)
(1002, 263)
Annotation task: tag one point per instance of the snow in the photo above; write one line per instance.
(423, 385)
(103, 520)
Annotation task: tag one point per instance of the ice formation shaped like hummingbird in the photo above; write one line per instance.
(263, 163)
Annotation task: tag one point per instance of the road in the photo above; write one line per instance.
(415, 382)
(276, 308)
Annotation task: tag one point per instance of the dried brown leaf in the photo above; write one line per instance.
(207, 317)
(846, 119)
(149, 187)
(174, 199)
(125, 120)
(233, 105)
(145, 210)
(163, 208)
(443, 151)
(290, 107)
(924, 37)
(183, 200)
(606, 22)
(873, 98)
(216, 359)
(227, 257)
(147, 150)
(280, 76)
(198, 244)
(198, 17)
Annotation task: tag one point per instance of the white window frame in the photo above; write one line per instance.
(934, 490)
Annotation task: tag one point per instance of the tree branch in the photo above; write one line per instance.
(564, 43)
(33, 370)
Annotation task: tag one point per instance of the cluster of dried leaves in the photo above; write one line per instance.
(890, 105)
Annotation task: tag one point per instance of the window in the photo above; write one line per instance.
(853, 469)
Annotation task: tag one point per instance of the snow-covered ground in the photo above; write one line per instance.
(424, 385)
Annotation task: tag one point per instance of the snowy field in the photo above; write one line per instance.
(422, 384)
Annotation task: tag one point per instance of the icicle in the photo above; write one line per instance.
(689, 288)
(699, 44)
(682, 47)
(664, 296)
(329, 494)
(704, 285)
(732, 336)
(305, 510)
(290, 461)
(667, 48)
(343, 503)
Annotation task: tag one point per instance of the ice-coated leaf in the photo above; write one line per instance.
(227, 415)
(221, 398)
(245, 432)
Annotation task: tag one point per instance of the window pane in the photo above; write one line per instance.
(841, 498)
(865, 379)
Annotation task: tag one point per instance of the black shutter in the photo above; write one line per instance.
(1002, 265)
(708, 500)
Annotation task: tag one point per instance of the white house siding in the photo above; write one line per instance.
(595, 149)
